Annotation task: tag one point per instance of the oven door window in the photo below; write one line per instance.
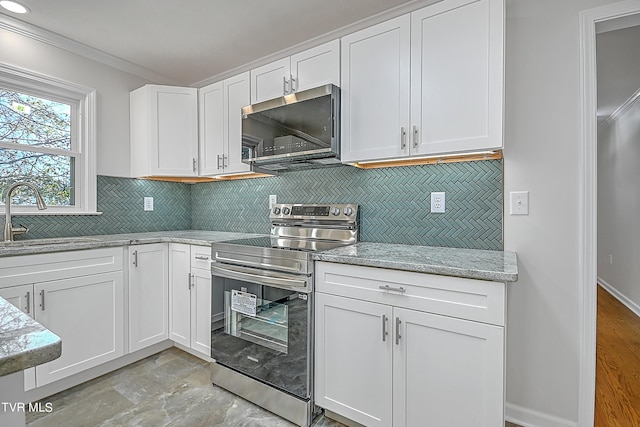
(262, 331)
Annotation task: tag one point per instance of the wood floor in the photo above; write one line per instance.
(617, 364)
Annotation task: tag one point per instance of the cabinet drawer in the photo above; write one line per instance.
(477, 300)
(201, 257)
(20, 270)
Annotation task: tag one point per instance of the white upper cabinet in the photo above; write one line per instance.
(375, 91)
(164, 131)
(305, 70)
(221, 125)
(457, 73)
(427, 83)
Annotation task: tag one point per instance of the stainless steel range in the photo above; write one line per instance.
(262, 307)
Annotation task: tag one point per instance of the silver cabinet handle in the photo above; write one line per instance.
(403, 138)
(294, 83)
(389, 288)
(384, 327)
(285, 87)
(218, 161)
(398, 336)
(135, 258)
(42, 299)
(28, 298)
(190, 281)
(195, 165)
(415, 137)
(202, 258)
(225, 163)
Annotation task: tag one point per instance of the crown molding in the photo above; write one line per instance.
(619, 111)
(316, 41)
(53, 39)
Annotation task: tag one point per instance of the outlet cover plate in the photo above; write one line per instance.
(437, 202)
(148, 204)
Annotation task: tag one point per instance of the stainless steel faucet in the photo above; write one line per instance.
(9, 230)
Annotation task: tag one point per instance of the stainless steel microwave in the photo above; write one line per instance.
(293, 132)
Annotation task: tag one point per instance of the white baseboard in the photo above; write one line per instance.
(620, 296)
(526, 417)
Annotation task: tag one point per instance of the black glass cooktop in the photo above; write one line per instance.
(305, 245)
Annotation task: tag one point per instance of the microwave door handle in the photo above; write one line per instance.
(258, 278)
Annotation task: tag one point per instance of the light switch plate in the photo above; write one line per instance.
(519, 203)
(148, 203)
(437, 202)
(272, 200)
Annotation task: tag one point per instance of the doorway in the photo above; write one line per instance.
(592, 21)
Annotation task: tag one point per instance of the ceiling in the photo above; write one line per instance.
(185, 42)
(618, 63)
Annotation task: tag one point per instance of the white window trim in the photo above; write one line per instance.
(86, 186)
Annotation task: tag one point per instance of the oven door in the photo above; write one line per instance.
(261, 326)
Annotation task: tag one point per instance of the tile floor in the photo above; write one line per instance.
(171, 389)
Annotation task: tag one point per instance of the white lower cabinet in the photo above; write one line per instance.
(382, 360)
(148, 295)
(83, 304)
(190, 297)
(87, 313)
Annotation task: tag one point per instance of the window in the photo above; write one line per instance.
(47, 138)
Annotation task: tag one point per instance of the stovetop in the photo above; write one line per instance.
(302, 245)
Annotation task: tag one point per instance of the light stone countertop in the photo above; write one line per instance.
(23, 341)
(190, 237)
(499, 266)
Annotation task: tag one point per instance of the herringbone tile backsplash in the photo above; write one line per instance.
(394, 202)
(121, 202)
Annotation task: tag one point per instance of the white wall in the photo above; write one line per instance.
(542, 155)
(619, 205)
(112, 86)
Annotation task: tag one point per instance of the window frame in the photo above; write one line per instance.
(83, 144)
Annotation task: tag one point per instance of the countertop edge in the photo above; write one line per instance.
(24, 356)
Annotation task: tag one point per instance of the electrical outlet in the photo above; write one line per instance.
(437, 202)
(272, 201)
(148, 203)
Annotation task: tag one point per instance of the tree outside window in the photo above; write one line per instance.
(36, 137)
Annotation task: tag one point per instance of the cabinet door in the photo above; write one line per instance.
(353, 359)
(271, 80)
(87, 313)
(442, 364)
(375, 91)
(180, 293)
(201, 311)
(211, 102)
(236, 96)
(457, 76)
(22, 298)
(316, 66)
(148, 295)
(169, 138)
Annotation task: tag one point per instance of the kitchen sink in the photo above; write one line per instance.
(50, 241)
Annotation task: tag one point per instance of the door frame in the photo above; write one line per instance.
(588, 194)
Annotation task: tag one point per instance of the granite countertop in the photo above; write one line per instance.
(500, 266)
(191, 237)
(23, 341)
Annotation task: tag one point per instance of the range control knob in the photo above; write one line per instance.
(348, 211)
(286, 210)
(276, 211)
(335, 211)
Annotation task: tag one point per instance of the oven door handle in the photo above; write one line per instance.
(273, 279)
